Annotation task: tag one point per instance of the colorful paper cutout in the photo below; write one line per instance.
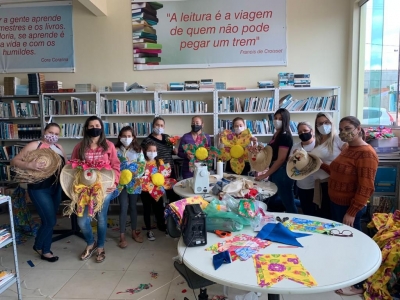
(309, 225)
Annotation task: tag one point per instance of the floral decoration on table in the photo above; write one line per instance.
(173, 140)
(272, 268)
(130, 175)
(156, 179)
(298, 224)
(201, 153)
(380, 132)
(235, 149)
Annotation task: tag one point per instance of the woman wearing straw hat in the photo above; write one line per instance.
(39, 164)
(96, 149)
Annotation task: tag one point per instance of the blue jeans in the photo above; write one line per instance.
(285, 188)
(46, 202)
(338, 212)
(84, 224)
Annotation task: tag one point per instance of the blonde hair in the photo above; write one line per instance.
(318, 136)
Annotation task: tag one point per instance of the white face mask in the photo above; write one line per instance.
(277, 124)
(325, 129)
(151, 155)
(158, 130)
(126, 141)
(239, 129)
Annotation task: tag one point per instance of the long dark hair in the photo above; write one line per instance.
(134, 145)
(145, 147)
(285, 121)
(87, 139)
(356, 123)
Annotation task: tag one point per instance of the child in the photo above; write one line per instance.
(154, 183)
(132, 159)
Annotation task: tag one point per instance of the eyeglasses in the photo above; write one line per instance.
(336, 232)
(282, 220)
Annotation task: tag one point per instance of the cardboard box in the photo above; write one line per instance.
(385, 145)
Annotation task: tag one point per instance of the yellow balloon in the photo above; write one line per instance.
(201, 153)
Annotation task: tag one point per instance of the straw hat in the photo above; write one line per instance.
(52, 163)
(260, 157)
(85, 177)
(302, 164)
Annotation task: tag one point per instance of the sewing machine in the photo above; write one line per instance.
(200, 180)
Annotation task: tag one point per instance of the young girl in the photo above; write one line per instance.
(154, 183)
(129, 152)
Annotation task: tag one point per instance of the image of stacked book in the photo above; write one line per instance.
(207, 85)
(146, 50)
(266, 84)
(52, 86)
(302, 80)
(36, 83)
(10, 85)
(22, 90)
(192, 85)
(119, 86)
(176, 86)
(84, 88)
(286, 80)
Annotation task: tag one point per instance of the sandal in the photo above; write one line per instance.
(349, 291)
(136, 236)
(123, 244)
(87, 253)
(101, 256)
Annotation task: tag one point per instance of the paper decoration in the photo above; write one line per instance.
(309, 225)
(280, 234)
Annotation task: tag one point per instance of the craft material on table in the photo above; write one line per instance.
(280, 234)
(309, 225)
(237, 242)
(178, 207)
(272, 268)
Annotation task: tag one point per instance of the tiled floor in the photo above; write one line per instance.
(70, 278)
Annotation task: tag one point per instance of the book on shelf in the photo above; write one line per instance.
(9, 130)
(327, 103)
(71, 130)
(10, 85)
(72, 106)
(125, 107)
(9, 152)
(183, 107)
(16, 108)
(140, 129)
(22, 90)
(84, 87)
(52, 86)
(5, 175)
(4, 234)
(5, 276)
(36, 83)
(252, 104)
(264, 126)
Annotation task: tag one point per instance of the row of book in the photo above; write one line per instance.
(72, 106)
(15, 108)
(264, 126)
(5, 275)
(85, 88)
(183, 106)
(140, 129)
(265, 84)
(36, 82)
(295, 80)
(252, 104)
(309, 104)
(9, 130)
(5, 175)
(9, 152)
(124, 107)
(52, 86)
(10, 85)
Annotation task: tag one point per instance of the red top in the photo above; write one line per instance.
(108, 157)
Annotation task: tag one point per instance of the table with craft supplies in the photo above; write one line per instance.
(184, 189)
(339, 259)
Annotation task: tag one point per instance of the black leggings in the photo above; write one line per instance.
(158, 209)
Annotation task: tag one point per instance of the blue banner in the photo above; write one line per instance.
(36, 38)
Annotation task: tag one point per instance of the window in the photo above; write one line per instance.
(379, 63)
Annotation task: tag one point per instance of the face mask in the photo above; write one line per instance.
(239, 129)
(325, 129)
(151, 155)
(306, 136)
(126, 141)
(94, 132)
(158, 130)
(51, 138)
(196, 128)
(347, 136)
(277, 124)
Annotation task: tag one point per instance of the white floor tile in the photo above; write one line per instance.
(319, 296)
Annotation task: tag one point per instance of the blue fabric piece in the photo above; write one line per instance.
(221, 258)
(280, 234)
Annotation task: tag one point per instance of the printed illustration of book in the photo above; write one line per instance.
(144, 16)
(145, 55)
(152, 51)
(143, 60)
(139, 35)
(143, 28)
(143, 40)
(147, 46)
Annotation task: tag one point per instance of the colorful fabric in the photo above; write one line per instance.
(272, 268)
(235, 149)
(136, 170)
(153, 188)
(387, 238)
(237, 242)
(178, 207)
(309, 225)
(201, 152)
(247, 209)
(88, 195)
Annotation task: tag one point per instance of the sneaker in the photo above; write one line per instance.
(150, 236)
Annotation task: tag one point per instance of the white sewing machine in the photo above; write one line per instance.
(200, 180)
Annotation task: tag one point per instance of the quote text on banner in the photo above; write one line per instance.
(36, 38)
(209, 33)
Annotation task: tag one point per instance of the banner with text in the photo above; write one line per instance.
(36, 38)
(208, 33)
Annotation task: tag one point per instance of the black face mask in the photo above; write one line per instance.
(196, 128)
(94, 132)
(304, 137)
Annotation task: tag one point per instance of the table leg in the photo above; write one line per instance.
(63, 233)
(273, 297)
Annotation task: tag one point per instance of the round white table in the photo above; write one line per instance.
(334, 262)
(183, 188)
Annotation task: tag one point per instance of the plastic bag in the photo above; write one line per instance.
(213, 211)
(213, 224)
